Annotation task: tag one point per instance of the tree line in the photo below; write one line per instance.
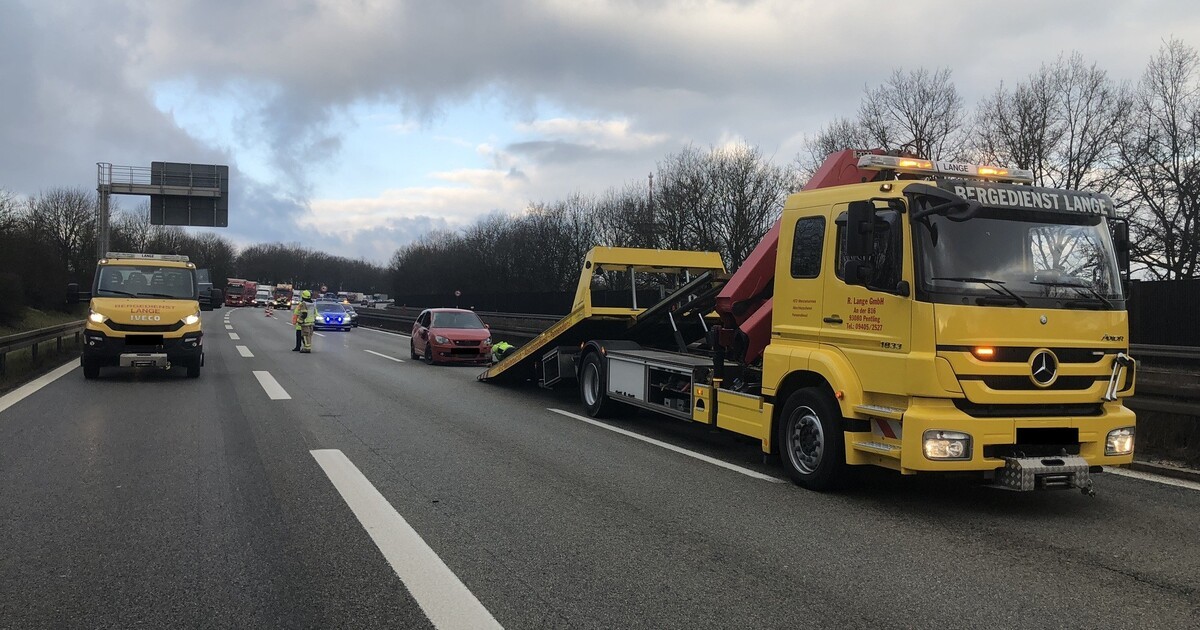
(1069, 122)
(49, 240)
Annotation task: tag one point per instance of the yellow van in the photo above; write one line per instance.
(144, 312)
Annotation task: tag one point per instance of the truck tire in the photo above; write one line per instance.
(193, 368)
(593, 385)
(810, 440)
(91, 369)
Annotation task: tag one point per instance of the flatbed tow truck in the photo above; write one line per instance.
(921, 316)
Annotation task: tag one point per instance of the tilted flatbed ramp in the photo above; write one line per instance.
(586, 322)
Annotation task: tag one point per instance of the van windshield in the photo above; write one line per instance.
(145, 282)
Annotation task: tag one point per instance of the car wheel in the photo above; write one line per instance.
(428, 355)
(593, 387)
(412, 350)
(91, 369)
(810, 440)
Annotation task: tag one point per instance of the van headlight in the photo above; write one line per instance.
(946, 445)
(194, 318)
(1119, 441)
(96, 318)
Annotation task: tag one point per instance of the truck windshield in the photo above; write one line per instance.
(1047, 260)
(234, 289)
(145, 282)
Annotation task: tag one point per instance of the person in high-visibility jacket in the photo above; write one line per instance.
(501, 349)
(304, 317)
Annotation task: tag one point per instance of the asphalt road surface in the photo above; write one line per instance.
(353, 488)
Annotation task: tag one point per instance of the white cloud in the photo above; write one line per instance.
(599, 134)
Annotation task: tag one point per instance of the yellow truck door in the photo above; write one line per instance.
(871, 326)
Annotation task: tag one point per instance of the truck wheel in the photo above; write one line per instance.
(810, 440)
(193, 368)
(593, 387)
(91, 369)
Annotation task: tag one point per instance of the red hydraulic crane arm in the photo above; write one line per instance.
(745, 303)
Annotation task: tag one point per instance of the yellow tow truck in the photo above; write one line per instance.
(911, 314)
(144, 312)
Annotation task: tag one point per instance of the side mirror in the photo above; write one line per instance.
(1120, 236)
(860, 230)
(487, 326)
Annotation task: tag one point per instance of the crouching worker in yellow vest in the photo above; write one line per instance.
(304, 317)
(501, 349)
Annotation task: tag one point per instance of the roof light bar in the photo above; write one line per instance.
(933, 167)
(171, 257)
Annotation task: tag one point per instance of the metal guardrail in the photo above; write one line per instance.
(33, 339)
(1139, 350)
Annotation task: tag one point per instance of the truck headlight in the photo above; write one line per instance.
(440, 339)
(192, 319)
(1119, 441)
(946, 445)
(96, 318)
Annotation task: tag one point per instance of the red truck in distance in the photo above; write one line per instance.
(240, 292)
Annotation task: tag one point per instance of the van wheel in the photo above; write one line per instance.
(810, 440)
(91, 369)
(593, 386)
(193, 368)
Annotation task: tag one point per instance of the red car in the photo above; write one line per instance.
(450, 335)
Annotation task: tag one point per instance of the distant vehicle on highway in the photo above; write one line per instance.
(331, 316)
(352, 313)
(450, 335)
(263, 296)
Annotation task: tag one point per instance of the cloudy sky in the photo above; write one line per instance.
(358, 125)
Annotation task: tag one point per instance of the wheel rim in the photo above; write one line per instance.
(591, 384)
(805, 440)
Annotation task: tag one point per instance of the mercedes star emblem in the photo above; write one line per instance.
(1043, 368)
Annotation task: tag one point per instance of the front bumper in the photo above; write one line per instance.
(994, 439)
(138, 349)
(462, 354)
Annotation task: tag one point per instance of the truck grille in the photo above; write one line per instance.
(1016, 383)
(135, 328)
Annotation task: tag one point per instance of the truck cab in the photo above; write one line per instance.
(950, 324)
(144, 312)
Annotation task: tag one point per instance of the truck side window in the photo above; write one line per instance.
(807, 247)
(888, 260)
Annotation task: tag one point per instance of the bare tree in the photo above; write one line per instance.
(918, 111)
(838, 135)
(748, 196)
(66, 218)
(1159, 164)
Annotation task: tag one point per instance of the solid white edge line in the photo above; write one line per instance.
(444, 599)
(234, 336)
(386, 332)
(1145, 476)
(671, 447)
(245, 352)
(274, 390)
(384, 356)
(28, 389)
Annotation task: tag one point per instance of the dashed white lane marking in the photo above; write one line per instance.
(274, 390)
(384, 356)
(447, 602)
(244, 351)
(228, 327)
(1145, 476)
(234, 336)
(386, 332)
(671, 447)
(28, 389)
